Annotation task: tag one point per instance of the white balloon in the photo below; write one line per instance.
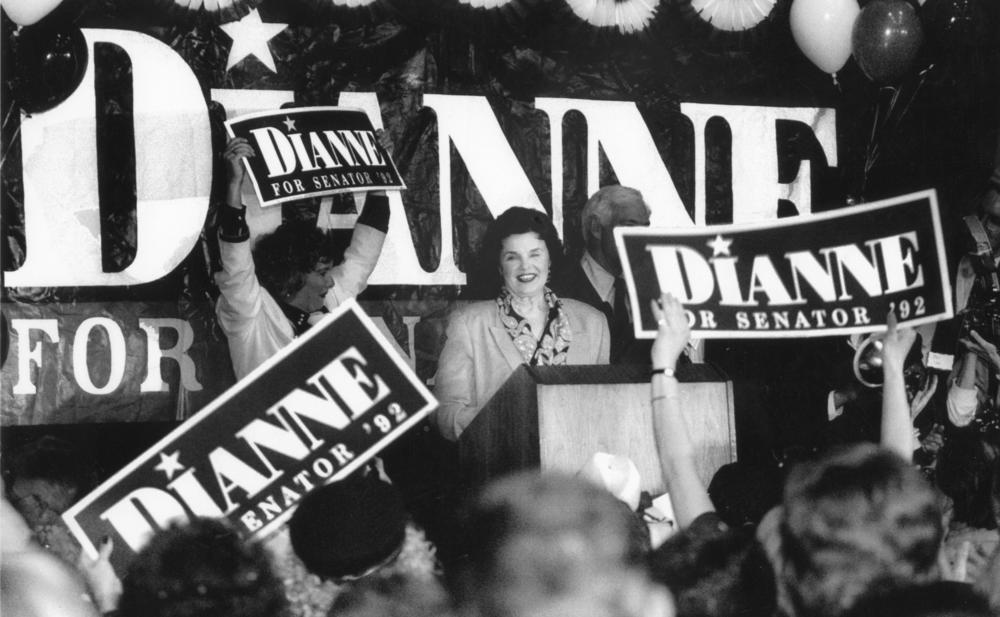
(822, 30)
(27, 12)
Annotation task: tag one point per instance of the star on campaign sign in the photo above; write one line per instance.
(719, 246)
(250, 36)
(170, 464)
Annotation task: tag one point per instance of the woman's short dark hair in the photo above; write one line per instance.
(724, 574)
(934, 599)
(284, 257)
(201, 569)
(513, 221)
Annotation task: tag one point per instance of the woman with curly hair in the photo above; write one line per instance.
(291, 278)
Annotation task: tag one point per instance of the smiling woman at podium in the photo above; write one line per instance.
(524, 324)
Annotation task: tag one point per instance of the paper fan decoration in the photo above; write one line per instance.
(628, 16)
(218, 11)
(733, 15)
(485, 4)
(210, 6)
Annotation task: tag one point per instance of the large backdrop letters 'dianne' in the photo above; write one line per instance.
(106, 353)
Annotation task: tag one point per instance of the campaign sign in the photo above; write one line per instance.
(838, 272)
(313, 151)
(311, 415)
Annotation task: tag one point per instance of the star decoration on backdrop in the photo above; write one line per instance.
(719, 246)
(250, 36)
(289, 124)
(170, 464)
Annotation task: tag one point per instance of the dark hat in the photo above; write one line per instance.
(349, 527)
(744, 492)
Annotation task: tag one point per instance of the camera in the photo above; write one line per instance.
(982, 313)
(984, 319)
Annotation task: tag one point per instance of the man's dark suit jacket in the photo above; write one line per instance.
(625, 349)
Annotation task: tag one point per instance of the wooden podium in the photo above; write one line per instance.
(557, 417)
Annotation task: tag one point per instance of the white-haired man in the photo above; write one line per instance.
(597, 278)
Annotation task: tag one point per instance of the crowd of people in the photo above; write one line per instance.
(902, 524)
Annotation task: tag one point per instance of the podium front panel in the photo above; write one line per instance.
(575, 421)
(556, 418)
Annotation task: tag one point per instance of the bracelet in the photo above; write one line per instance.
(663, 397)
(666, 372)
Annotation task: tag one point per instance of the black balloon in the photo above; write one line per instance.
(952, 24)
(885, 39)
(50, 65)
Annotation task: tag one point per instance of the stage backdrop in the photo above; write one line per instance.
(113, 121)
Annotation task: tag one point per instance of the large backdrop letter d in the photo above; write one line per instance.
(173, 173)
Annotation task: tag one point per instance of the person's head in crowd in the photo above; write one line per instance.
(744, 492)
(548, 544)
(968, 472)
(43, 478)
(36, 584)
(392, 596)
(858, 519)
(201, 569)
(610, 207)
(292, 264)
(349, 529)
(49, 472)
(934, 599)
(519, 251)
(715, 575)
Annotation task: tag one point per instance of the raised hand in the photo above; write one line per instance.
(982, 348)
(896, 346)
(672, 334)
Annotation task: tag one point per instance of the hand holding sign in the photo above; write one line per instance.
(237, 149)
(105, 586)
